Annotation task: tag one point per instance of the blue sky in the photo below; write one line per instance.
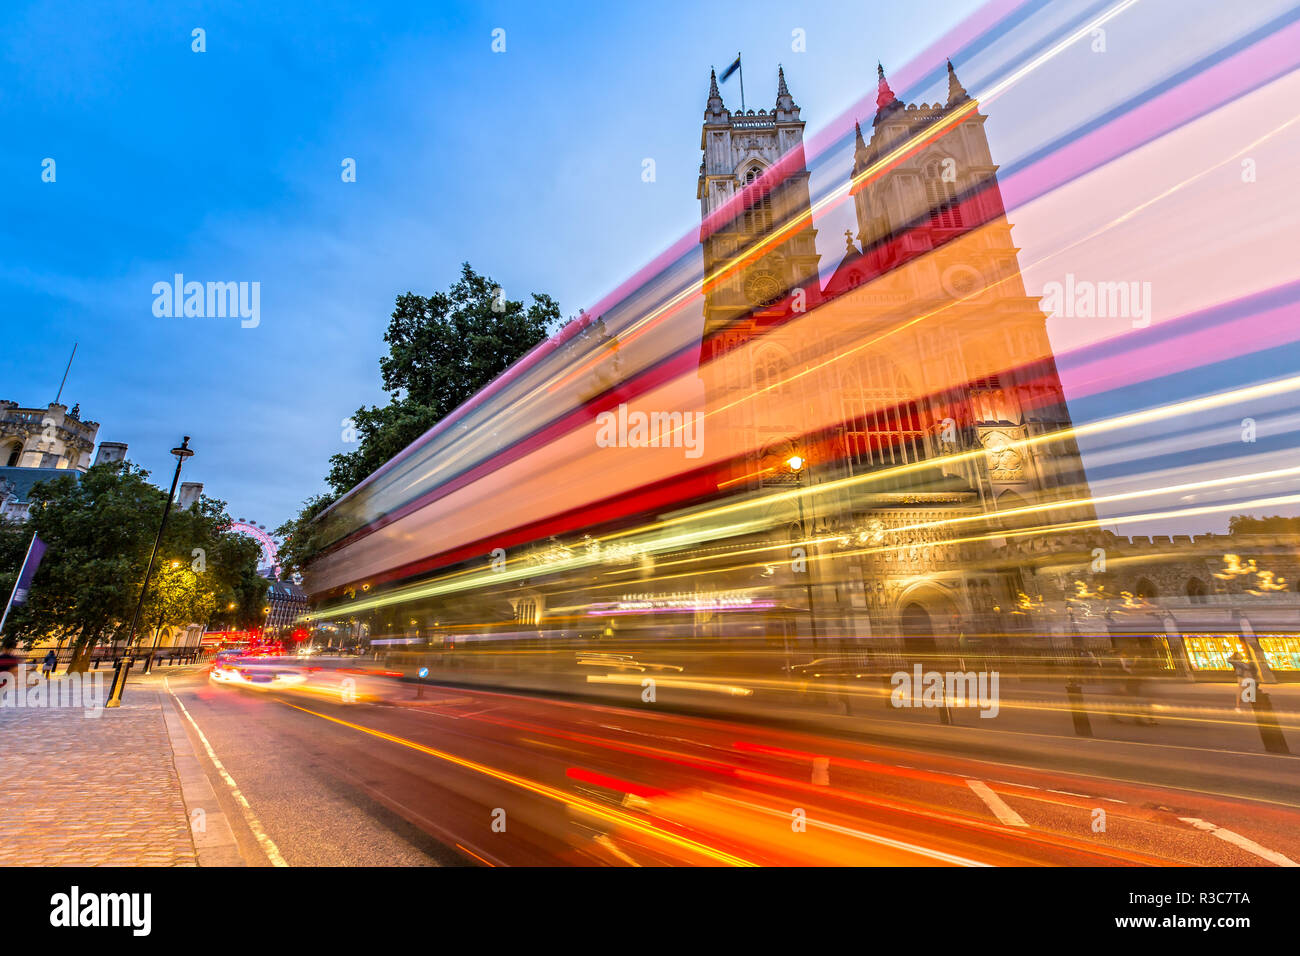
(225, 166)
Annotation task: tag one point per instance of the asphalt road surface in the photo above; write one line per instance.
(476, 777)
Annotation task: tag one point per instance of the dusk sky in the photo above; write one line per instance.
(225, 166)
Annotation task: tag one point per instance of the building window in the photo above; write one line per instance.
(1146, 590)
(942, 198)
(883, 423)
(758, 215)
(1196, 590)
(771, 371)
(1282, 651)
(1210, 652)
(527, 612)
(15, 452)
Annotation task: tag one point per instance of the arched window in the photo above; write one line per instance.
(13, 453)
(1146, 590)
(758, 217)
(771, 371)
(883, 423)
(941, 195)
(1196, 590)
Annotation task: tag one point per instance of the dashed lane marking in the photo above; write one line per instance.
(268, 845)
(1245, 843)
(995, 803)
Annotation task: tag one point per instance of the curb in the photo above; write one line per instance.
(214, 841)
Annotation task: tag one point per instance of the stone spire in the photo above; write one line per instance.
(715, 107)
(886, 101)
(784, 101)
(956, 92)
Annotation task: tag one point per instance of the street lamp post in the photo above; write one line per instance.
(796, 464)
(157, 635)
(123, 666)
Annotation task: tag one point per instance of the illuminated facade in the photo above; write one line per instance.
(37, 444)
(949, 371)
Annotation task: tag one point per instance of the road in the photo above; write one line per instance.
(461, 776)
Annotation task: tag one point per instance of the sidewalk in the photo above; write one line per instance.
(104, 790)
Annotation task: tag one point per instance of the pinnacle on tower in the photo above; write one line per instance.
(858, 142)
(886, 101)
(956, 92)
(784, 101)
(715, 104)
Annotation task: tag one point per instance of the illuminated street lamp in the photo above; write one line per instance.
(796, 465)
(119, 674)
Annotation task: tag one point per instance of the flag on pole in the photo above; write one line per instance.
(730, 70)
(35, 552)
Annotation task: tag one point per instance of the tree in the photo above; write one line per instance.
(442, 349)
(301, 535)
(1275, 524)
(177, 597)
(99, 529)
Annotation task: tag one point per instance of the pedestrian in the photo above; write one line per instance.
(50, 662)
(1244, 672)
(1133, 684)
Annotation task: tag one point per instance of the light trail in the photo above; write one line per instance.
(589, 807)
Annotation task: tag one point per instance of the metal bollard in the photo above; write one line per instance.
(1269, 732)
(1078, 713)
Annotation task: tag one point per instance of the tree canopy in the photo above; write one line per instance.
(442, 349)
(99, 528)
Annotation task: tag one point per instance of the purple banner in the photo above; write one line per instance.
(34, 555)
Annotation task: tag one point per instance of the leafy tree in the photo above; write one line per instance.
(442, 349)
(300, 535)
(1276, 524)
(99, 529)
(177, 597)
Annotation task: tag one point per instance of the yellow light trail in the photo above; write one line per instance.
(972, 539)
(551, 793)
(463, 580)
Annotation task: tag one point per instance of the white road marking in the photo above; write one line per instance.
(268, 845)
(609, 845)
(1236, 839)
(861, 834)
(995, 803)
(1069, 793)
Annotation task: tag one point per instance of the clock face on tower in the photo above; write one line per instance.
(763, 288)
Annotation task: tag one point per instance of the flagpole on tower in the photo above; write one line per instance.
(742, 82)
(65, 373)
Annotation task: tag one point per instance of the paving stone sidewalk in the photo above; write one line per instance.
(91, 791)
